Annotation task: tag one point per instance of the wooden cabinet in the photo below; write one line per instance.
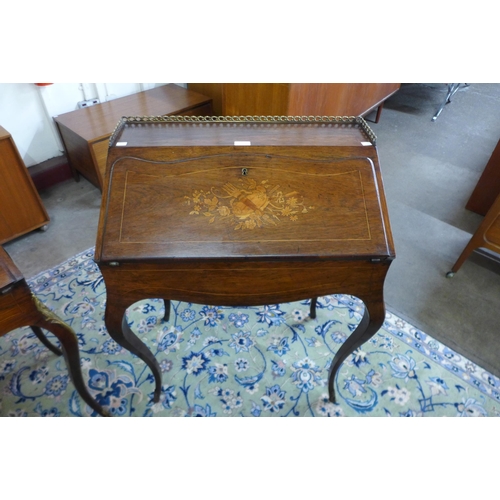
(21, 209)
(296, 99)
(86, 132)
(488, 186)
(486, 236)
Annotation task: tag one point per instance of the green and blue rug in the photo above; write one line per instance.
(269, 361)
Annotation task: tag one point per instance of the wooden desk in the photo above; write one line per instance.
(86, 132)
(190, 214)
(19, 307)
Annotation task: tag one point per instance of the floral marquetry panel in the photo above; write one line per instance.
(248, 205)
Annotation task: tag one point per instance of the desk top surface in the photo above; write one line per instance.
(295, 193)
(227, 133)
(99, 121)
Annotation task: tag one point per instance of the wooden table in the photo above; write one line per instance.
(19, 307)
(243, 212)
(86, 132)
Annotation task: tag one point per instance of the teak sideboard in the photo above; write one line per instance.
(297, 99)
(86, 132)
(21, 209)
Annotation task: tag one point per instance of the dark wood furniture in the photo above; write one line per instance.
(21, 209)
(240, 212)
(86, 132)
(297, 99)
(488, 187)
(486, 236)
(19, 307)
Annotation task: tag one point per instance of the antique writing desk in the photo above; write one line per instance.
(243, 211)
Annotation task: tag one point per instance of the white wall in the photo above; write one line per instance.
(26, 112)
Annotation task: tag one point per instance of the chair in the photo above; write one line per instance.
(452, 90)
(19, 307)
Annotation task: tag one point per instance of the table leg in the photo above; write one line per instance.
(118, 329)
(166, 316)
(372, 321)
(69, 344)
(43, 339)
(312, 312)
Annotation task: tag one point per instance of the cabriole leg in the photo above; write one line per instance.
(166, 316)
(45, 341)
(312, 312)
(118, 329)
(69, 344)
(372, 321)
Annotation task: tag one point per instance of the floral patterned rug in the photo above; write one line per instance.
(220, 361)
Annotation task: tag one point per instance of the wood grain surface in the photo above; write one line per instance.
(335, 99)
(21, 209)
(296, 193)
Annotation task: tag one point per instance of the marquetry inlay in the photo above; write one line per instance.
(248, 204)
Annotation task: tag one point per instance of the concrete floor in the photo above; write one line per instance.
(429, 169)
